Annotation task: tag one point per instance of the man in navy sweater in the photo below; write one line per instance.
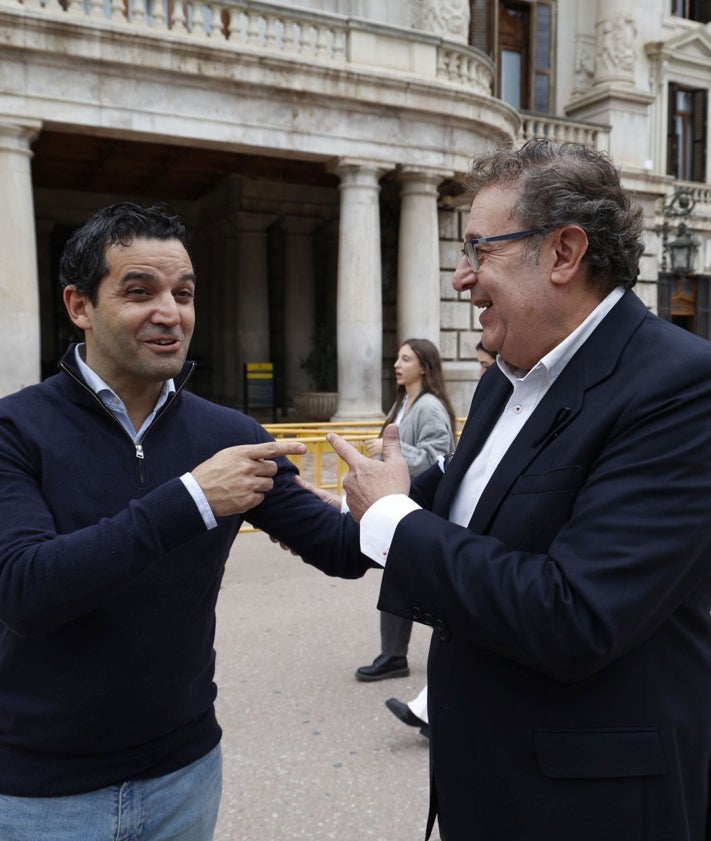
(120, 496)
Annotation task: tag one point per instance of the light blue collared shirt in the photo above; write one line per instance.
(117, 407)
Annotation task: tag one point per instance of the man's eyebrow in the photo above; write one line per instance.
(136, 275)
(185, 277)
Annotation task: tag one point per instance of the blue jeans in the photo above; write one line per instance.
(181, 806)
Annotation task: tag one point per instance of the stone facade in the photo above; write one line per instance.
(314, 149)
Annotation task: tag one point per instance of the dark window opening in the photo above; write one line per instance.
(520, 37)
(686, 133)
(698, 10)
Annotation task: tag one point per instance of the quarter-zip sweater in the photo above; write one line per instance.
(109, 579)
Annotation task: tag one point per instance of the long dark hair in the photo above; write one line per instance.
(432, 379)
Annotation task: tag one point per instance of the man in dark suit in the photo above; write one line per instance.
(563, 555)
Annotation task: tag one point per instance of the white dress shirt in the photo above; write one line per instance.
(378, 524)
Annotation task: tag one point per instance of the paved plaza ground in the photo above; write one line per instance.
(311, 754)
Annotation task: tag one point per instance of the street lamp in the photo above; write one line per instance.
(682, 249)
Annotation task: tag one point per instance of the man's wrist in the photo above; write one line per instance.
(378, 524)
(200, 500)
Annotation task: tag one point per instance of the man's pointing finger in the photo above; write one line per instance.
(274, 449)
(346, 451)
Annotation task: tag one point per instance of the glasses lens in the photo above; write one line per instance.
(471, 254)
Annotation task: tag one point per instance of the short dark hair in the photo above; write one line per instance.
(83, 261)
(571, 184)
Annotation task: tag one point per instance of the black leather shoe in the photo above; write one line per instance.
(406, 715)
(384, 667)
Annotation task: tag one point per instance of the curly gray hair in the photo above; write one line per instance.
(571, 184)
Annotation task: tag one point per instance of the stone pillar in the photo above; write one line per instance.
(360, 307)
(19, 298)
(47, 292)
(616, 49)
(418, 285)
(246, 299)
(299, 298)
(619, 95)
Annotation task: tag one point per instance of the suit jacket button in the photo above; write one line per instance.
(442, 630)
(416, 614)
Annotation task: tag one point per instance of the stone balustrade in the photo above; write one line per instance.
(701, 194)
(562, 130)
(255, 26)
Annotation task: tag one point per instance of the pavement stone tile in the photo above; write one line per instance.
(309, 751)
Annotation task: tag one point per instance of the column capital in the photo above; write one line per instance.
(17, 133)
(358, 170)
(423, 175)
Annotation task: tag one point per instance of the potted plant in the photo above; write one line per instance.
(321, 402)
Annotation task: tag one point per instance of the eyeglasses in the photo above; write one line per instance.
(470, 246)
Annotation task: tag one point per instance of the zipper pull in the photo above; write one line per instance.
(139, 451)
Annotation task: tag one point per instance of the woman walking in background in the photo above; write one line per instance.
(414, 712)
(425, 417)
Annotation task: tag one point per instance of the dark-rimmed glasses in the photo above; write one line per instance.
(470, 246)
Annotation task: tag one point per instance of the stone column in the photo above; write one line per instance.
(418, 285)
(619, 96)
(299, 300)
(246, 299)
(47, 294)
(19, 313)
(359, 310)
(616, 49)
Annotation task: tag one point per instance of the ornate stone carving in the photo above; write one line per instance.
(616, 46)
(448, 18)
(584, 61)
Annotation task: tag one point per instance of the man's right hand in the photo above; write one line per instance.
(237, 478)
(369, 480)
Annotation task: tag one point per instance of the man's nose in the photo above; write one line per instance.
(464, 276)
(166, 310)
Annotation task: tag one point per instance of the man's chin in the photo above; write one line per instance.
(166, 369)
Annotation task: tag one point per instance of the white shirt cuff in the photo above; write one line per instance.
(378, 524)
(200, 499)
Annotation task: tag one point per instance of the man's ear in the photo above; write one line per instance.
(78, 307)
(571, 245)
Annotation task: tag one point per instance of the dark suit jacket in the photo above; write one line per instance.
(570, 665)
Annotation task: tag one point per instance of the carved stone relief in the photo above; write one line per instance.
(584, 62)
(448, 18)
(616, 54)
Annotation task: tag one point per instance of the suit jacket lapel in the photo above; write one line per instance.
(488, 403)
(593, 362)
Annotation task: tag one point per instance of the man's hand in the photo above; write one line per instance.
(332, 499)
(235, 479)
(368, 480)
(324, 495)
(374, 447)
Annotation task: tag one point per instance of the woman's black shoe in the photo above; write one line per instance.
(384, 667)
